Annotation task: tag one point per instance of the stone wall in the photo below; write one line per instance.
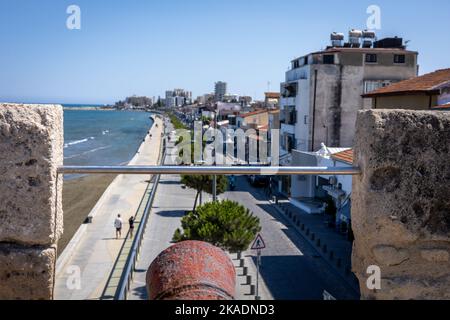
(401, 203)
(31, 149)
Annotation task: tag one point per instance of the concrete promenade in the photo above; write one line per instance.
(86, 266)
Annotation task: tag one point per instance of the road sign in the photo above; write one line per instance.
(259, 243)
(327, 295)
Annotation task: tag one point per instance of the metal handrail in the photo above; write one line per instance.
(124, 284)
(202, 170)
(130, 266)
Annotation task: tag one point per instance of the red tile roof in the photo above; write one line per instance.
(344, 156)
(428, 83)
(249, 114)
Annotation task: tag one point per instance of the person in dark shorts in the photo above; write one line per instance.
(131, 222)
(118, 225)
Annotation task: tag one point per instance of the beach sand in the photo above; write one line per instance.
(79, 197)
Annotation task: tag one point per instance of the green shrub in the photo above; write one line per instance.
(225, 224)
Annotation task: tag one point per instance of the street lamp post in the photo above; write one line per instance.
(214, 182)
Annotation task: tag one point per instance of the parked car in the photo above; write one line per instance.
(259, 181)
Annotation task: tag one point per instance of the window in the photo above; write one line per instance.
(290, 143)
(328, 59)
(399, 58)
(292, 117)
(305, 120)
(371, 58)
(372, 85)
(289, 90)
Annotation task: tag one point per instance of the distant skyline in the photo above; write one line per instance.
(147, 47)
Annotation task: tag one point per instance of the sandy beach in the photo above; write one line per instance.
(79, 197)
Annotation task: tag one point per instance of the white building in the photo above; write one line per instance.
(309, 192)
(178, 98)
(323, 90)
(233, 98)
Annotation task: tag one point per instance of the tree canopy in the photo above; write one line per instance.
(225, 224)
(204, 183)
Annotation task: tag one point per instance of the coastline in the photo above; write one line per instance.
(94, 247)
(82, 195)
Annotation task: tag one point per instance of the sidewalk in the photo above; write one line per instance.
(94, 249)
(246, 278)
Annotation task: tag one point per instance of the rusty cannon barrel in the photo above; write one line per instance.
(191, 270)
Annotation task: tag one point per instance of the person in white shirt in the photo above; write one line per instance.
(118, 224)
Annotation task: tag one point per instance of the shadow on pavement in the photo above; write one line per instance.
(172, 213)
(169, 182)
(140, 292)
(290, 278)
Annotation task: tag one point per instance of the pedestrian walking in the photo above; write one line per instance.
(131, 222)
(118, 225)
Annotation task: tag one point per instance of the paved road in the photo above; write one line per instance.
(291, 268)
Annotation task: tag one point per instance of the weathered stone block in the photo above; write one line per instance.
(26, 273)
(390, 256)
(31, 149)
(401, 203)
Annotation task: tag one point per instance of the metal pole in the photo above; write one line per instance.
(214, 185)
(205, 170)
(258, 262)
(215, 177)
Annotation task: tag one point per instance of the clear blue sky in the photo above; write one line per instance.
(145, 47)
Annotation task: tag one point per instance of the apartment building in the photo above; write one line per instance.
(220, 90)
(323, 90)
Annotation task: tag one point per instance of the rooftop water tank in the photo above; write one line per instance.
(336, 39)
(368, 34)
(354, 37)
(337, 36)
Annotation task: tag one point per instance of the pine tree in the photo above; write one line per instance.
(225, 224)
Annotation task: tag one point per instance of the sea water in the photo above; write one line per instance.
(95, 137)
